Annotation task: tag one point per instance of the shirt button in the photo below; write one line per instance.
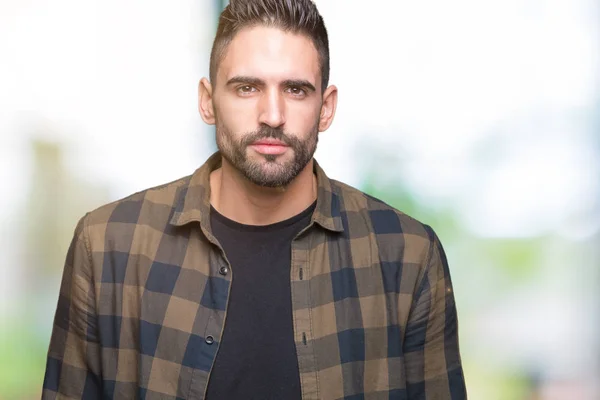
(224, 270)
(210, 340)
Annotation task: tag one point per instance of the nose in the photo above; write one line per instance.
(272, 109)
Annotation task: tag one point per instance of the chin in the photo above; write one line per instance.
(278, 159)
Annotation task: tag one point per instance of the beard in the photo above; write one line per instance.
(267, 170)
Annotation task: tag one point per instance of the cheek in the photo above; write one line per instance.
(235, 118)
(302, 120)
(236, 106)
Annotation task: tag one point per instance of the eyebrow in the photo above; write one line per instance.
(259, 82)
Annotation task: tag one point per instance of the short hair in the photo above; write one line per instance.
(295, 16)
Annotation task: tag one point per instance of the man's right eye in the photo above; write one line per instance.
(246, 89)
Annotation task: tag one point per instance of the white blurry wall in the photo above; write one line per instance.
(490, 106)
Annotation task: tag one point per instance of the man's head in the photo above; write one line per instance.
(267, 94)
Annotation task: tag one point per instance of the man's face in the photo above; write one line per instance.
(267, 103)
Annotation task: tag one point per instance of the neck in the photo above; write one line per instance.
(238, 199)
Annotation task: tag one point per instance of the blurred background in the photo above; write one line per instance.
(480, 118)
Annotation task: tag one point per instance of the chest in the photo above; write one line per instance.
(349, 302)
(344, 283)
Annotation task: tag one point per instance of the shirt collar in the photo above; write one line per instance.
(192, 201)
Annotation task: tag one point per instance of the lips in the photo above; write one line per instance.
(269, 142)
(269, 146)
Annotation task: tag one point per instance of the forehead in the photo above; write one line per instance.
(270, 54)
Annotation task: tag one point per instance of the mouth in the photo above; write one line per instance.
(269, 146)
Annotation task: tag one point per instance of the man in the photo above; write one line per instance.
(257, 277)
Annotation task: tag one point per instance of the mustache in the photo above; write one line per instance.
(264, 132)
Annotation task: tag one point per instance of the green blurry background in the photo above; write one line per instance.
(480, 118)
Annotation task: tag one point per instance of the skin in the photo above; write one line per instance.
(267, 85)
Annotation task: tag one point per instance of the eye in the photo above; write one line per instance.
(296, 91)
(246, 89)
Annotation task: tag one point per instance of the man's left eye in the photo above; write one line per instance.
(296, 91)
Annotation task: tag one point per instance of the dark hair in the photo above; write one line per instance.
(296, 16)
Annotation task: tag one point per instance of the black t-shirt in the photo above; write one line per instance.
(257, 355)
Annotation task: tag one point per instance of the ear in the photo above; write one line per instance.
(205, 101)
(330, 99)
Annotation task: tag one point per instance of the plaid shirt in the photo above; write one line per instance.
(143, 300)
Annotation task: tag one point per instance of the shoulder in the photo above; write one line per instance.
(386, 223)
(152, 206)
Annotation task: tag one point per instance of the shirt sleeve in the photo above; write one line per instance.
(431, 349)
(73, 362)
